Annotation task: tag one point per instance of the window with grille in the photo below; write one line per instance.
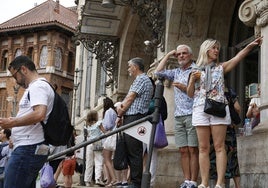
(3, 105)
(4, 59)
(43, 57)
(18, 52)
(58, 58)
(70, 66)
(100, 82)
(30, 53)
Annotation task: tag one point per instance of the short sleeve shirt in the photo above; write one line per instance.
(183, 103)
(109, 119)
(38, 93)
(94, 130)
(143, 87)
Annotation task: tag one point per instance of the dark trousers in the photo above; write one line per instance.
(134, 153)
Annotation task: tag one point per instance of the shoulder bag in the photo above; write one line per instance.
(120, 156)
(213, 107)
(160, 138)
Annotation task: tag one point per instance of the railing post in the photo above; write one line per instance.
(146, 177)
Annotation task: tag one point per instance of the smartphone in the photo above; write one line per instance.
(42, 149)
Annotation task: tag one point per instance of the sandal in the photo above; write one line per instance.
(113, 183)
(202, 186)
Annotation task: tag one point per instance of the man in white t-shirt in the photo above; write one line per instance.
(30, 152)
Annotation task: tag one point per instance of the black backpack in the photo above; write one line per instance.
(58, 129)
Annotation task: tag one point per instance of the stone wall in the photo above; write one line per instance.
(253, 160)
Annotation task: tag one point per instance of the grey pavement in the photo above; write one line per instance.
(75, 185)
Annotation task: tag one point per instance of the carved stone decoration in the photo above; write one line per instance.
(247, 13)
(188, 20)
(106, 50)
(262, 13)
(153, 14)
(151, 71)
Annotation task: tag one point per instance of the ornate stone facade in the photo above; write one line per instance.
(253, 149)
(189, 22)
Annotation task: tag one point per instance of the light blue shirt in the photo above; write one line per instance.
(183, 103)
(109, 119)
(94, 130)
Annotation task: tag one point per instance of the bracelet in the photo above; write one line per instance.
(119, 117)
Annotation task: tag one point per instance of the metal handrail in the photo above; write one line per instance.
(154, 118)
(85, 143)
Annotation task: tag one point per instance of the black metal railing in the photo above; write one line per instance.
(154, 118)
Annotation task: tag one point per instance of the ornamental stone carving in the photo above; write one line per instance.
(247, 13)
(262, 13)
(254, 13)
(188, 18)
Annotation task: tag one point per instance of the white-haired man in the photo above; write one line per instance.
(185, 133)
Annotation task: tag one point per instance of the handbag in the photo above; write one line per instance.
(215, 108)
(110, 142)
(160, 137)
(97, 146)
(47, 177)
(120, 156)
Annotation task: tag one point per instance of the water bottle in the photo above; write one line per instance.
(247, 126)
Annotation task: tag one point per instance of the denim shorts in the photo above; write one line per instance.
(184, 131)
(23, 167)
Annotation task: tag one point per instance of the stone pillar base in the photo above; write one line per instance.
(253, 158)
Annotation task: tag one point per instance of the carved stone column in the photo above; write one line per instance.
(253, 150)
(254, 13)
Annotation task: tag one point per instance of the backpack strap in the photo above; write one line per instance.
(28, 96)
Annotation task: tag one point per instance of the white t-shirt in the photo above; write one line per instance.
(40, 93)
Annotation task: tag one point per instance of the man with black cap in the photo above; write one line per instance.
(133, 107)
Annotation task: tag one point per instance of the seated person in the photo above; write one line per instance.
(254, 111)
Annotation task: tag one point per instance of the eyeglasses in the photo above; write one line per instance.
(14, 75)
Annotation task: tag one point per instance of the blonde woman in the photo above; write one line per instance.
(212, 80)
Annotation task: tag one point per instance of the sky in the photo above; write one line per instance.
(12, 8)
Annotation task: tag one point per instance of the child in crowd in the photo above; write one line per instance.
(94, 151)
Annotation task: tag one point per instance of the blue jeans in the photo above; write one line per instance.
(23, 167)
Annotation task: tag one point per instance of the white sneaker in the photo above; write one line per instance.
(88, 184)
